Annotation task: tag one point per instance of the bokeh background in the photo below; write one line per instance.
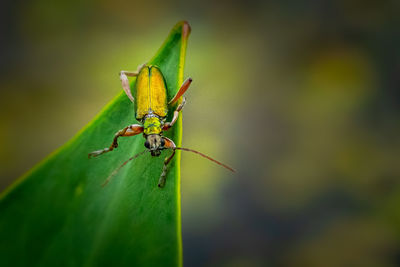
(301, 97)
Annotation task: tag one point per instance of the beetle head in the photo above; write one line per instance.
(155, 143)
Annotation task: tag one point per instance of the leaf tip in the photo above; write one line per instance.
(186, 29)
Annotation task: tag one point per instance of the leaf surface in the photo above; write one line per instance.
(59, 215)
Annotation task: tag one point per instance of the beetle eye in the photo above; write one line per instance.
(162, 142)
(147, 144)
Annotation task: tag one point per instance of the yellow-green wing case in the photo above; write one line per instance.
(150, 93)
(158, 92)
(141, 93)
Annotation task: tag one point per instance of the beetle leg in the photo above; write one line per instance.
(168, 144)
(123, 76)
(168, 125)
(185, 85)
(131, 130)
(180, 92)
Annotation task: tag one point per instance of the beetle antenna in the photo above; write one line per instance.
(205, 156)
(122, 165)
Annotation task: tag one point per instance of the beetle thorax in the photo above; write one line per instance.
(152, 125)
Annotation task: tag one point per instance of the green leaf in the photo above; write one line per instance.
(59, 215)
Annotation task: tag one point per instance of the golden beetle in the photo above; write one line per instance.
(151, 107)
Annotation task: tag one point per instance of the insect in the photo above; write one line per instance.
(151, 110)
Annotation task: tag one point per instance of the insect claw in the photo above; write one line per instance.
(161, 182)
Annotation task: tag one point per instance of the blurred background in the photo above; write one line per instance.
(301, 97)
